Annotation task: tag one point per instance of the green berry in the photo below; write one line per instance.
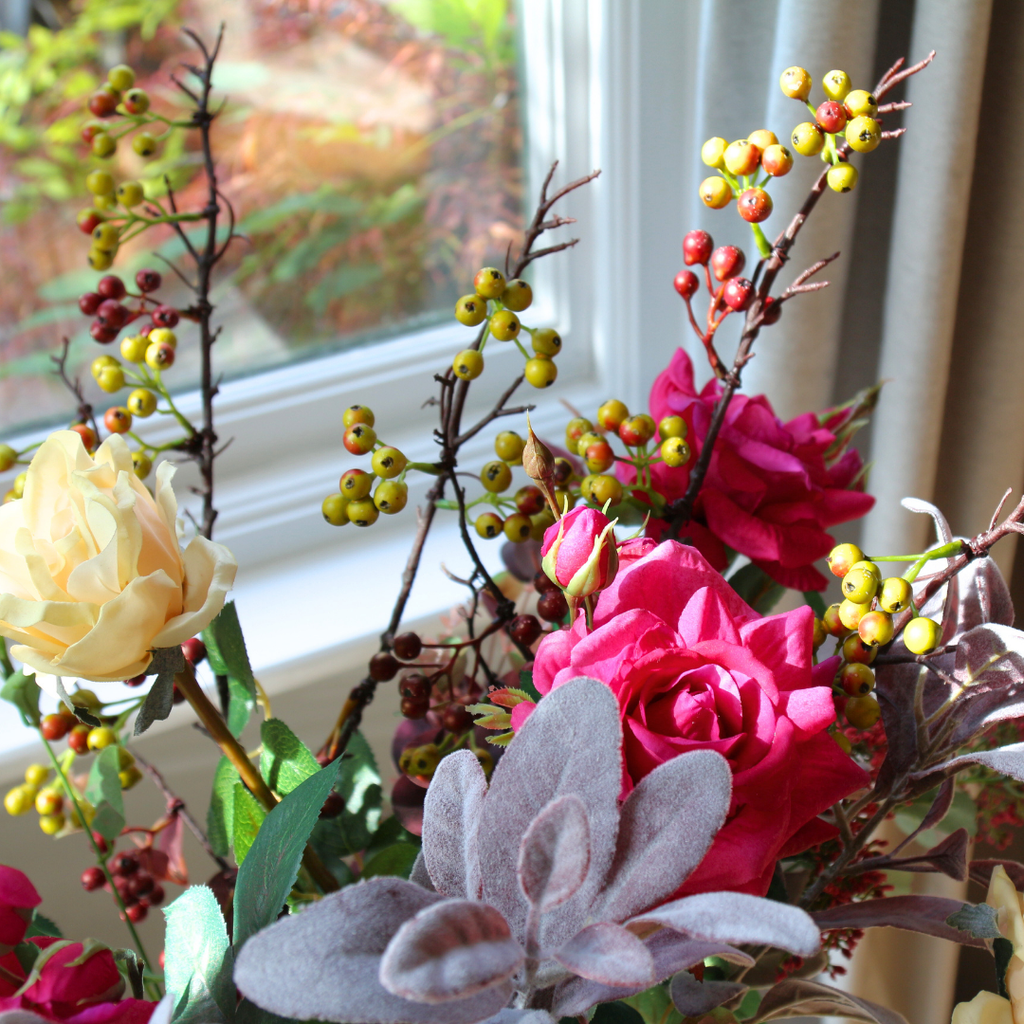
(574, 430)
(546, 341)
(121, 77)
(130, 193)
(517, 527)
(856, 679)
(505, 325)
(508, 446)
(388, 462)
(842, 177)
(471, 310)
(715, 192)
(136, 101)
(836, 85)
(144, 144)
(922, 635)
(468, 364)
(843, 557)
(335, 509)
(142, 464)
(489, 283)
(363, 512)
(863, 134)
(488, 525)
(129, 777)
(103, 146)
(355, 484)
(496, 477)
(540, 372)
(672, 426)
(391, 497)
(8, 457)
(808, 139)
(675, 452)
(142, 403)
(795, 83)
(895, 595)
(517, 296)
(863, 712)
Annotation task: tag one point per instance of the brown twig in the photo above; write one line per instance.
(85, 410)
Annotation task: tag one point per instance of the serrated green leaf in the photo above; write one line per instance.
(197, 957)
(248, 816)
(272, 863)
(397, 860)
(286, 761)
(40, 925)
(220, 817)
(103, 791)
(22, 691)
(526, 684)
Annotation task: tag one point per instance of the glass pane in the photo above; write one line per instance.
(371, 151)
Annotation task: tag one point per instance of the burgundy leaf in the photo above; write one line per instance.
(984, 596)
(981, 871)
(949, 857)
(451, 817)
(895, 691)
(570, 744)
(668, 823)
(555, 853)
(450, 950)
(521, 1017)
(926, 914)
(1008, 760)
(938, 810)
(170, 842)
(797, 998)
(693, 998)
(737, 917)
(990, 655)
(609, 954)
(324, 963)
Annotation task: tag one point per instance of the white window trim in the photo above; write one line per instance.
(312, 599)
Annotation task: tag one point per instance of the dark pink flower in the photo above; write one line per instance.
(17, 898)
(694, 667)
(579, 552)
(772, 489)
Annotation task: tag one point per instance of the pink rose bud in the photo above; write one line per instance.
(579, 552)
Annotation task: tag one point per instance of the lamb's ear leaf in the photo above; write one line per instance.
(451, 950)
(668, 824)
(555, 853)
(609, 954)
(693, 998)
(451, 819)
(324, 963)
(737, 917)
(800, 998)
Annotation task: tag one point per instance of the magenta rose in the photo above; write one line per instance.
(18, 896)
(772, 489)
(579, 553)
(694, 667)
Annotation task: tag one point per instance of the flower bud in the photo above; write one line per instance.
(579, 552)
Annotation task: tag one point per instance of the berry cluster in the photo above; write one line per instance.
(739, 165)
(846, 114)
(863, 622)
(496, 302)
(352, 502)
(138, 889)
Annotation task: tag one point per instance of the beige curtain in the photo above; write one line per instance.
(926, 297)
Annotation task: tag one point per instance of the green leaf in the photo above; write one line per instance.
(166, 663)
(286, 761)
(526, 684)
(22, 691)
(655, 1006)
(41, 925)
(616, 1013)
(272, 864)
(220, 818)
(1002, 950)
(198, 957)
(249, 815)
(816, 601)
(756, 587)
(392, 860)
(225, 650)
(103, 791)
(977, 918)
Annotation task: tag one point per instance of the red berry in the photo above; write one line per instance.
(78, 739)
(92, 879)
(103, 103)
(117, 420)
(177, 696)
(738, 293)
(101, 333)
(727, 261)
(135, 680)
(415, 686)
(88, 220)
(407, 646)
(148, 280)
(56, 727)
(686, 284)
(697, 246)
(137, 912)
(359, 439)
(543, 583)
(89, 303)
(124, 890)
(772, 311)
(165, 316)
(383, 666)
(124, 864)
(456, 718)
(754, 205)
(524, 629)
(112, 314)
(101, 843)
(414, 708)
(87, 434)
(90, 130)
(552, 606)
(333, 805)
(831, 116)
(111, 287)
(154, 899)
(529, 500)
(141, 884)
(194, 650)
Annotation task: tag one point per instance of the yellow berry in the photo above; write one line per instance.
(605, 488)
(508, 446)
(130, 777)
(863, 134)
(854, 649)
(807, 139)
(8, 457)
(742, 157)
(895, 595)
(540, 372)
(831, 621)
(358, 414)
(100, 363)
(388, 462)
(489, 282)
(163, 336)
(863, 712)
(100, 737)
(471, 310)
(468, 364)
(355, 484)
(391, 496)
(795, 82)
(19, 800)
(856, 679)
(110, 379)
(675, 452)
(103, 145)
(836, 85)
(496, 477)
(842, 177)
(133, 348)
(546, 341)
(875, 629)
(130, 193)
(850, 613)
(100, 259)
(517, 296)
(539, 524)
(505, 325)
(18, 485)
(860, 103)
(142, 464)
(861, 583)
(715, 192)
(922, 635)
(762, 138)
(488, 525)
(612, 414)
(672, 426)
(121, 77)
(49, 801)
(159, 357)
(713, 152)
(142, 403)
(105, 236)
(335, 509)
(363, 512)
(51, 824)
(144, 144)
(843, 557)
(777, 161)
(517, 527)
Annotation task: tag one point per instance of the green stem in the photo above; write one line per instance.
(166, 395)
(5, 659)
(764, 247)
(954, 547)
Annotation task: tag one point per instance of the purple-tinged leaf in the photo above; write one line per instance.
(672, 953)
(796, 998)
(450, 950)
(609, 954)
(948, 857)
(981, 871)
(554, 855)
(990, 655)
(570, 744)
(895, 691)
(451, 818)
(925, 914)
(668, 823)
(984, 596)
(737, 917)
(1009, 760)
(938, 810)
(693, 998)
(419, 874)
(521, 1017)
(324, 963)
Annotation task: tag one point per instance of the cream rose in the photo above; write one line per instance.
(92, 577)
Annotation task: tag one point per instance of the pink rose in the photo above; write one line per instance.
(17, 898)
(772, 489)
(579, 553)
(694, 667)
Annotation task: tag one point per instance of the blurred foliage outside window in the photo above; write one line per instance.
(371, 150)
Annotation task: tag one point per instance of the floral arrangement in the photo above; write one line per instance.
(628, 791)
